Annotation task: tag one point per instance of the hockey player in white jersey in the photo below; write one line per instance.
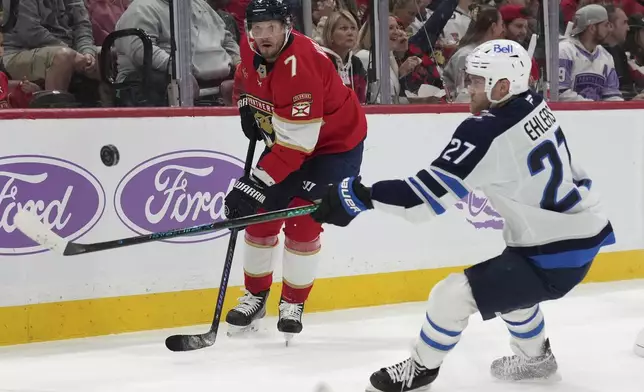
(516, 153)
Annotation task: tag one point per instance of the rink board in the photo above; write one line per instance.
(175, 167)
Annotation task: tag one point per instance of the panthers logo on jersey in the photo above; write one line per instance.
(263, 113)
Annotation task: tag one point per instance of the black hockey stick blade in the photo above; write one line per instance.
(178, 343)
(32, 227)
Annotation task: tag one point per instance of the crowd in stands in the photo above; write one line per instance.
(55, 55)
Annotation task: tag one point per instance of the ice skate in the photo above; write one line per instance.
(290, 320)
(406, 376)
(246, 315)
(520, 367)
(638, 348)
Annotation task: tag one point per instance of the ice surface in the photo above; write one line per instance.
(592, 332)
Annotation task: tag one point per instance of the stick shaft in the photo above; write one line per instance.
(73, 248)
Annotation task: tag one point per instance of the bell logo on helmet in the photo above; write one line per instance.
(503, 48)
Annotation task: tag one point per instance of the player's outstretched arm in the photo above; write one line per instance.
(465, 163)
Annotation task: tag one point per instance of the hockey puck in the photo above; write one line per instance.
(110, 155)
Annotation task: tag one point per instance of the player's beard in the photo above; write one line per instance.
(269, 53)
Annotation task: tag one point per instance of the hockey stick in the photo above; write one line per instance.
(33, 228)
(195, 342)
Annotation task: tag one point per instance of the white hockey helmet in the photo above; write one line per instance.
(497, 60)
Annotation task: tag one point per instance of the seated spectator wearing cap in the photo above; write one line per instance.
(635, 53)
(215, 54)
(614, 44)
(586, 69)
(52, 40)
(515, 18)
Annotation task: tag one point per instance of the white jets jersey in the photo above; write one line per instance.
(518, 156)
(456, 27)
(586, 76)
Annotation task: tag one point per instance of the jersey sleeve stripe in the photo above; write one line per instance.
(585, 182)
(296, 136)
(431, 183)
(396, 193)
(452, 182)
(299, 122)
(425, 195)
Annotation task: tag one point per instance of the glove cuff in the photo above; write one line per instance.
(363, 193)
(354, 196)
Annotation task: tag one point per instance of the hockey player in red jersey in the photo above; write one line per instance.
(314, 127)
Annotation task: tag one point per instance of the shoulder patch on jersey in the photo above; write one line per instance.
(302, 105)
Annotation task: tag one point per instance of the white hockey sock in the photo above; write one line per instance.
(527, 330)
(258, 262)
(448, 309)
(300, 265)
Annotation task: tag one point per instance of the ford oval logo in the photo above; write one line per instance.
(176, 190)
(66, 197)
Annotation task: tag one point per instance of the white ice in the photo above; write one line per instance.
(592, 332)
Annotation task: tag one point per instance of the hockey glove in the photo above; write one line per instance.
(343, 202)
(248, 123)
(246, 197)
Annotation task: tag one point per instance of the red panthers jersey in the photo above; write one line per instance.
(301, 104)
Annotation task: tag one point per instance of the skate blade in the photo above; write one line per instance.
(288, 337)
(237, 331)
(371, 388)
(554, 378)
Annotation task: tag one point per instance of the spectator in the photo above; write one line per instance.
(405, 12)
(614, 44)
(515, 18)
(227, 17)
(457, 26)
(423, 44)
(50, 43)
(398, 46)
(321, 11)
(15, 93)
(215, 53)
(486, 25)
(586, 69)
(339, 38)
(237, 8)
(422, 15)
(103, 14)
(635, 52)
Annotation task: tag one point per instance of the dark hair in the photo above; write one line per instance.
(610, 10)
(483, 17)
(633, 44)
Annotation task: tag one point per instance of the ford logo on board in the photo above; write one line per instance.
(66, 197)
(177, 190)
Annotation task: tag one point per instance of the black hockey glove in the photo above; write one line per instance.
(248, 123)
(246, 197)
(343, 202)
